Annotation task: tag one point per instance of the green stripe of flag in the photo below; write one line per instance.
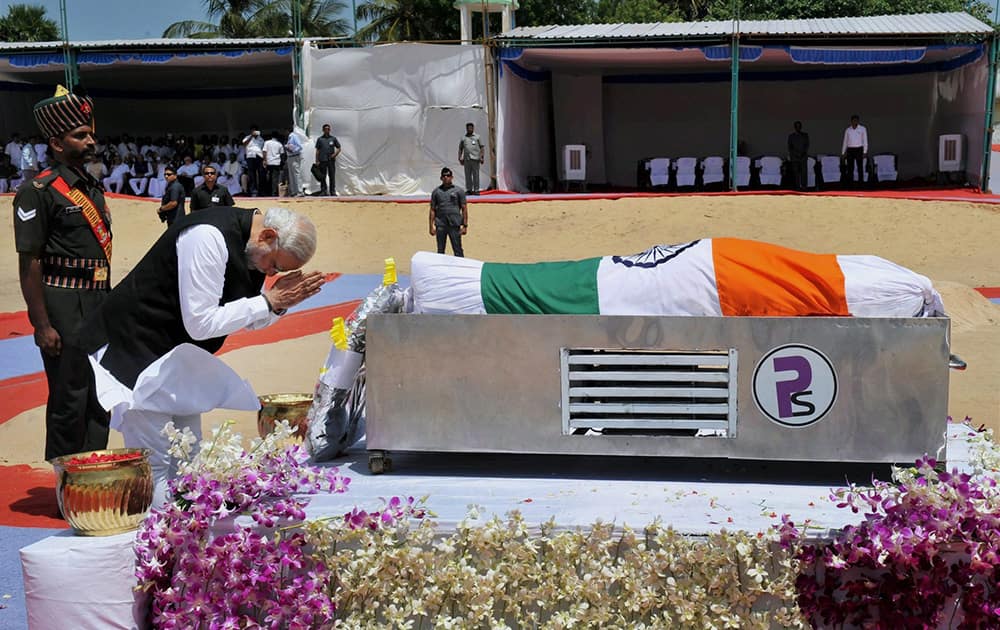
(541, 288)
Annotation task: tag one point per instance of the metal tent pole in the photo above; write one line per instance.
(984, 180)
(734, 114)
(70, 72)
(300, 113)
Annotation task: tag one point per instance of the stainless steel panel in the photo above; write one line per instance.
(493, 384)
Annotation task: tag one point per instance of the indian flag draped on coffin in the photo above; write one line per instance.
(722, 276)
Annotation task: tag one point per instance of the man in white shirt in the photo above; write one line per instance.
(273, 151)
(115, 181)
(253, 144)
(13, 149)
(231, 175)
(854, 151)
(151, 344)
(186, 173)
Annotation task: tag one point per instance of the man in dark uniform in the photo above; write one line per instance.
(449, 218)
(172, 202)
(798, 156)
(210, 193)
(327, 150)
(62, 232)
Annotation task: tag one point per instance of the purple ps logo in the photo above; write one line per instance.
(795, 385)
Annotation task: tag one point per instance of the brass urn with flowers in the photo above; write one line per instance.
(104, 492)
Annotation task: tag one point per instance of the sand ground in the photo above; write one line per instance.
(952, 243)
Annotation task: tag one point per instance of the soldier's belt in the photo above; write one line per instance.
(75, 273)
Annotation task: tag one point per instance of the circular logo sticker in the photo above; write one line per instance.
(794, 385)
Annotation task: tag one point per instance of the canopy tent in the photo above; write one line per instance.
(628, 92)
(151, 87)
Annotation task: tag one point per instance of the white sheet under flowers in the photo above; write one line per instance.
(398, 110)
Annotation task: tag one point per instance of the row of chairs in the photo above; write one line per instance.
(766, 170)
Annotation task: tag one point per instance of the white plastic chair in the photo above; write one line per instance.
(157, 186)
(885, 167)
(770, 170)
(742, 171)
(686, 171)
(659, 171)
(713, 170)
(829, 167)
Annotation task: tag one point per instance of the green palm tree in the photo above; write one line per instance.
(263, 18)
(24, 23)
(407, 20)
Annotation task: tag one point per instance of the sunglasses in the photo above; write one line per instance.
(209, 173)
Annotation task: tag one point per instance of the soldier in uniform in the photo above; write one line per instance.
(62, 233)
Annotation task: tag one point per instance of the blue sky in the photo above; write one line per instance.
(121, 19)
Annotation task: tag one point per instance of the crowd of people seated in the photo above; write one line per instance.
(135, 165)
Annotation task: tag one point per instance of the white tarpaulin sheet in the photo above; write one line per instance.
(398, 111)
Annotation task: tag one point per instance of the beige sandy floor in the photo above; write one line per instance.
(955, 244)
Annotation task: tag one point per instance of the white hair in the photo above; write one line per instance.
(296, 233)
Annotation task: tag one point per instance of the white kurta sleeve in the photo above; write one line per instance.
(201, 268)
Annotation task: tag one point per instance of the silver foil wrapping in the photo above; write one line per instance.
(337, 416)
(384, 299)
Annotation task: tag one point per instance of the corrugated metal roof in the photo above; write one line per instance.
(956, 23)
(132, 44)
(917, 24)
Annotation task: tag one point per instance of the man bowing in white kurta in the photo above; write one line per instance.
(151, 344)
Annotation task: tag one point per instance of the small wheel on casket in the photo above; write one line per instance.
(379, 464)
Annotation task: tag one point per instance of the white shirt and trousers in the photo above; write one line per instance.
(188, 380)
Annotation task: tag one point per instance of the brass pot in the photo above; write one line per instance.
(106, 498)
(293, 408)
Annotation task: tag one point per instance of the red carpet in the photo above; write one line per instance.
(28, 497)
(990, 292)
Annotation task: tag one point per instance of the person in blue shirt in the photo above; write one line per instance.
(293, 162)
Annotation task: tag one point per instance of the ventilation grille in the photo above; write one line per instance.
(649, 392)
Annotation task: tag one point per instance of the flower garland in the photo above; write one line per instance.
(243, 578)
(507, 574)
(927, 552)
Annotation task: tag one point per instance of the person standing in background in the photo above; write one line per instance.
(798, 156)
(293, 162)
(327, 150)
(273, 150)
(471, 155)
(29, 161)
(172, 203)
(854, 150)
(253, 144)
(210, 193)
(449, 217)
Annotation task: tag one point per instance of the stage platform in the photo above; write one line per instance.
(695, 497)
